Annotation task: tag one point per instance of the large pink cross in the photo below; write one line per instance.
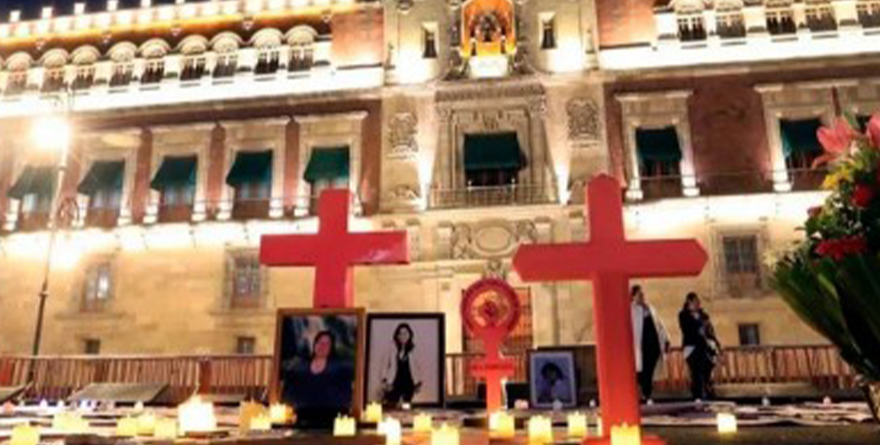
(609, 261)
(334, 250)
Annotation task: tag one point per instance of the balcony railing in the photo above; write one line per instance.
(243, 209)
(731, 183)
(106, 218)
(658, 187)
(490, 196)
(249, 376)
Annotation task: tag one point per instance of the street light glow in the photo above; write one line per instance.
(51, 133)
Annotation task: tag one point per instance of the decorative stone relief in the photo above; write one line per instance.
(402, 136)
(404, 6)
(404, 192)
(490, 239)
(583, 120)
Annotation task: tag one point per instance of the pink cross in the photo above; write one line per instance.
(609, 261)
(334, 250)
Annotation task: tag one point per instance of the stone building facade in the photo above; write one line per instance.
(470, 124)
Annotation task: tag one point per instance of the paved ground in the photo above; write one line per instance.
(824, 435)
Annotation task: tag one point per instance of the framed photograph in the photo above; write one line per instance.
(319, 362)
(552, 378)
(406, 359)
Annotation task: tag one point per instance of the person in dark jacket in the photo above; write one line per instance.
(701, 347)
(320, 388)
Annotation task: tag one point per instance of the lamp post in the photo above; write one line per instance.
(52, 133)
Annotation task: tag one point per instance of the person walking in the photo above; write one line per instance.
(651, 342)
(701, 346)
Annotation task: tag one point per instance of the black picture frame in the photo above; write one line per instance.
(295, 336)
(379, 325)
(564, 361)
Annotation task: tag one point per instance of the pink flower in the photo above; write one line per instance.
(836, 140)
(863, 195)
(838, 249)
(874, 130)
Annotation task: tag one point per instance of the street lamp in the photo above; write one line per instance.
(52, 133)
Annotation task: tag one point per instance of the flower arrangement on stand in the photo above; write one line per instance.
(832, 278)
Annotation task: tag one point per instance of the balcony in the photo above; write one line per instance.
(660, 187)
(175, 213)
(29, 221)
(244, 209)
(104, 218)
(804, 179)
(490, 196)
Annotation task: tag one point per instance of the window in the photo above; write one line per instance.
(741, 262)
(178, 195)
(869, 13)
(429, 40)
(122, 74)
(780, 21)
(729, 24)
(749, 334)
(91, 346)
(301, 57)
(820, 17)
(193, 67)
(268, 60)
(85, 77)
(16, 82)
(98, 286)
(247, 281)
(53, 80)
(659, 152)
(548, 32)
(690, 27)
(154, 70)
(227, 63)
(245, 345)
(492, 159)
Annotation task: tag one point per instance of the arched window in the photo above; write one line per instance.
(820, 16)
(226, 51)
(729, 21)
(780, 19)
(53, 75)
(302, 42)
(154, 64)
(268, 44)
(17, 74)
(869, 13)
(194, 59)
(691, 25)
(84, 62)
(123, 65)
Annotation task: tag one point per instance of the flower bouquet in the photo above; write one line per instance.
(832, 278)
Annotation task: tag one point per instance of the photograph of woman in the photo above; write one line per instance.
(402, 375)
(552, 379)
(317, 368)
(405, 359)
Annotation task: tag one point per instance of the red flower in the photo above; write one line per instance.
(836, 140)
(863, 195)
(874, 130)
(838, 249)
(815, 212)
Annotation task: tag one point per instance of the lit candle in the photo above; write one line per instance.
(70, 422)
(726, 423)
(196, 416)
(24, 434)
(626, 435)
(139, 406)
(344, 426)
(392, 431)
(598, 426)
(577, 425)
(502, 425)
(261, 423)
(166, 429)
(445, 435)
(423, 423)
(280, 413)
(146, 424)
(246, 412)
(127, 427)
(373, 413)
(540, 430)
(44, 405)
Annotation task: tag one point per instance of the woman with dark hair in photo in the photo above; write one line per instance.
(321, 386)
(553, 386)
(401, 373)
(701, 346)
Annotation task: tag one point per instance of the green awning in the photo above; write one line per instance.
(658, 144)
(34, 181)
(250, 167)
(799, 136)
(175, 171)
(330, 164)
(492, 151)
(104, 175)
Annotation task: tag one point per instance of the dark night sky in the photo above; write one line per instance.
(31, 8)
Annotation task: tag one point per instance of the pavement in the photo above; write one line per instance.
(862, 434)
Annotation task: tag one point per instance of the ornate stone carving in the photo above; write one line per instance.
(490, 239)
(461, 242)
(402, 136)
(516, 90)
(495, 268)
(583, 120)
(404, 6)
(404, 193)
